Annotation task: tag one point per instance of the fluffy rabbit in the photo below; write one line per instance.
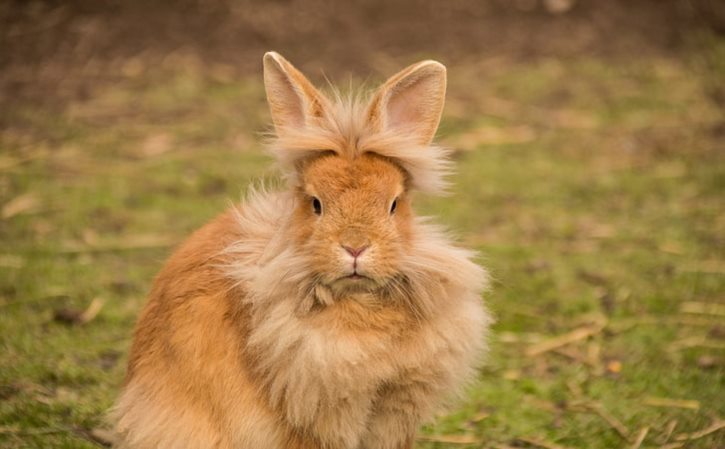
(326, 316)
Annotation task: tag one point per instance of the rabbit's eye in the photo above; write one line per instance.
(316, 206)
(394, 206)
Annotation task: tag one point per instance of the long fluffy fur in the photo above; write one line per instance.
(345, 131)
(309, 374)
(242, 347)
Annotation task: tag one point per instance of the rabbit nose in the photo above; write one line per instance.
(355, 252)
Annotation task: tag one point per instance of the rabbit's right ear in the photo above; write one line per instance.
(293, 101)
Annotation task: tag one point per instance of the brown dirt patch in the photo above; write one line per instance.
(55, 50)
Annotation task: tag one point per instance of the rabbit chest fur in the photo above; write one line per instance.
(326, 316)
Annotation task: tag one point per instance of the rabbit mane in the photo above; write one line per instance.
(276, 280)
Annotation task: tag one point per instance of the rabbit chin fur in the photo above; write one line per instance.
(241, 347)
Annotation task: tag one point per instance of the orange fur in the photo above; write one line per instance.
(264, 332)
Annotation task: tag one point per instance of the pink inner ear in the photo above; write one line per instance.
(406, 106)
(403, 111)
(284, 102)
(291, 97)
(414, 105)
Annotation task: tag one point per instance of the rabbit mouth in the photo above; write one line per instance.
(356, 280)
(356, 277)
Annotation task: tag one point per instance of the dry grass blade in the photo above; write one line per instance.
(672, 446)
(452, 439)
(480, 416)
(31, 431)
(155, 145)
(613, 422)
(488, 135)
(518, 337)
(23, 204)
(92, 311)
(128, 243)
(668, 431)
(695, 321)
(542, 404)
(11, 261)
(575, 356)
(641, 435)
(696, 342)
(540, 443)
(102, 437)
(702, 308)
(672, 403)
(705, 266)
(714, 427)
(564, 339)
(7, 163)
(73, 316)
(574, 388)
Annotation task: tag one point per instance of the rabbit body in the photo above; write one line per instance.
(284, 325)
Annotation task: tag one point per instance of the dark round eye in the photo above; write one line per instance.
(394, 205)
(316, 206)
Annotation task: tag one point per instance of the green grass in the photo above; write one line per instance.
(592, 188)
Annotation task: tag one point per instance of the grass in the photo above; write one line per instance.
(592, 188)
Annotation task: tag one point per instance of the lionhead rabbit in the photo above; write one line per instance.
(324, 316)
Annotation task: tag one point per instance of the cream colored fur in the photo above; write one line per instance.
(246, 343)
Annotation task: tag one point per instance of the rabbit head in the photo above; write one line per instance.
(352, 219)
(351, 165)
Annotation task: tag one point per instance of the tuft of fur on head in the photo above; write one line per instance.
(346, 132)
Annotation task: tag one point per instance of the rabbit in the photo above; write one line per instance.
(325, 315)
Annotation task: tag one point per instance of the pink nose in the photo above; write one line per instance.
(355, 252)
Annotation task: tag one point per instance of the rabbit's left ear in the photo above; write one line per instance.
(411, 102)
(293, 101)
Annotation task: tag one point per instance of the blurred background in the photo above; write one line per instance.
(591, 165)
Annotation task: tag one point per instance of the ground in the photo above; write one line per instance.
(590, 179)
